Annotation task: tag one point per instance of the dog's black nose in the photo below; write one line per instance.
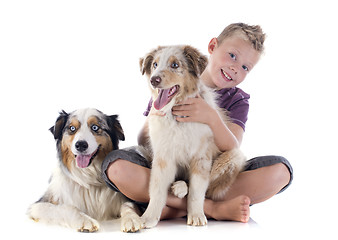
(81, 146)
(155, 81)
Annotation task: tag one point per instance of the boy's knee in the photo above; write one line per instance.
(116, 171)
(281, 174)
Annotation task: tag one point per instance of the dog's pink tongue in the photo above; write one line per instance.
(83, 160)
(162, 99)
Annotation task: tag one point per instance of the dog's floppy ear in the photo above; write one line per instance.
(197, 62)
(60, 123)
(115, 130)
(146, 62)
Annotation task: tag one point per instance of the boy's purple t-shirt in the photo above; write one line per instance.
(234, 100)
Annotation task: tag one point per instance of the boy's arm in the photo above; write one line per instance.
(237, 131)
(226, 137)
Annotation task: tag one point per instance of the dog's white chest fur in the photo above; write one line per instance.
(98, 201)
(181, 140)
(178, 141)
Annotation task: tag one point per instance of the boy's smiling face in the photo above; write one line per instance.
(229, 62)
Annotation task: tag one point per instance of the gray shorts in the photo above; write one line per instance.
(133, 155)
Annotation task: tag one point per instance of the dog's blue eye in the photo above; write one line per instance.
(155, 65)
(95, 128)
(72, 128)
(174, 65)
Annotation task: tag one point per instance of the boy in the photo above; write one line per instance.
(233, 54)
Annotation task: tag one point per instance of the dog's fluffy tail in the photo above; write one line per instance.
(223, 173)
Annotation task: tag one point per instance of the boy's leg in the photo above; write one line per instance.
(260, 184)
(130, 179)
(262, 178)
(251, 186)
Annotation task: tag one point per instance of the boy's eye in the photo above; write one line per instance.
(233, 56)
(245, 68)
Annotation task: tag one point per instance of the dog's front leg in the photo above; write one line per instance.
(162, 175)
(198, 184)
(64, 215)
(130, 220)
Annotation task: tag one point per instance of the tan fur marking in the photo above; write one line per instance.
(52, 201)
(67, 155)
(195, 167)
(172, 59)
(189, 87)
(106, 145)
(74, 122)
(200, 167)
(161, 163)
(92, 120)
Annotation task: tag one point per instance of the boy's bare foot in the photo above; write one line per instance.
(236, 209)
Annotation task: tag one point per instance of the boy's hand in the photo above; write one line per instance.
(194, 110)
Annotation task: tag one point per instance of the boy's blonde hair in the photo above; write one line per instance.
(253, 34)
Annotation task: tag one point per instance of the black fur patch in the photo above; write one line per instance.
(58, 129)
(115, 130)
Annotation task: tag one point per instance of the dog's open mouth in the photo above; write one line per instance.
(165, 96)
(84, 161)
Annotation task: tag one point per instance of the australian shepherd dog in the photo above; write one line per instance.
(77, 197)
(185, 149)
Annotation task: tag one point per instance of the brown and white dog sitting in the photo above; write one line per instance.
(174, 75)
(77, 197)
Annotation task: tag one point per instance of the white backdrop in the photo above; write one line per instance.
(72, 54)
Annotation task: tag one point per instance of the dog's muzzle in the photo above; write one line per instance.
(81, 146)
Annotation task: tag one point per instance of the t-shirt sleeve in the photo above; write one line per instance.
(238, 112)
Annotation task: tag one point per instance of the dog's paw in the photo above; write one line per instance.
(87, 224)
(197, 219)
(149, 222)
(131, 224)
(179, 189)
(33, 213)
